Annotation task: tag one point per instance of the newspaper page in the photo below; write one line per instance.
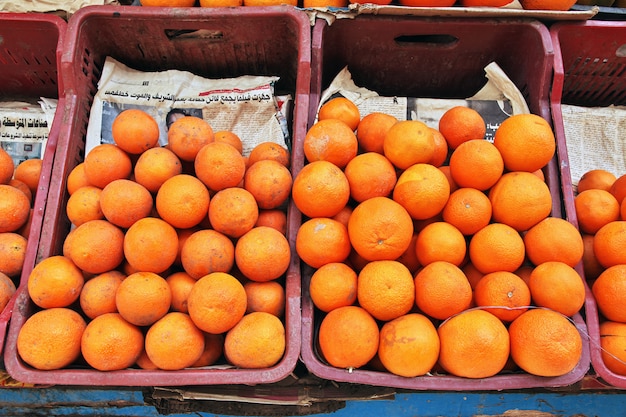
(594, 139)
(244, 105)
(24, 128)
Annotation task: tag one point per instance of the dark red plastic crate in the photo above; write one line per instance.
(589, 71)
(252, 41)
(30, 57)
(433, 58)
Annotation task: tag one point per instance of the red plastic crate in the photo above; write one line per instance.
(30, 57)
(433, 58)
(589, 71)
(251, 41)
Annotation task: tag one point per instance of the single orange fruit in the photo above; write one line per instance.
(21, 185)
(206, 251)
(547, 4)
(143, 297)
(440, 156)
(476, 163)
(613, 344)
(372, 130)
(409, 142)
(76, 178)
(440, 241)
(174, 342)
(262, 254)
(460, 124)
(557, 286)
(445, 169)
(151, 245)
(596, 179)
(155, 166)
(257, 341)
(333, 285)
(348, 337)
(135, 131)
(95, 246)
(213, 350)
(229, 137)
(618, 188)
(344, 215)
(84, 205)
(595, 208)
(187, 135)
(330, 140)
(409, 257)
(609, 243)
(272, 151)
(233, 211)
(609, 290)
(275, 218)
(180, 284)
(29, 172)
(106, 162)
(545, 343)
(269, 182)
(380, 229)
(183, 201)
(268, 297)
(217, 302)
(370, 175)
(7, 289)
(322, 240)
(14, 208)
(422, 190)
(442, 290)
(144, 362)
(342, 109)
(497, 247)
(474, 344)
(386, 289)
(55, 282)
(591, 267)
(219, 165)
(505, 291)
(520, 200)
(7, 167)
(554, 239)
(473, 274)
(123, 202)
(468, 209)
(110, 343)
(50, 338)
(320, 189)
(12, 253)
(98, 294)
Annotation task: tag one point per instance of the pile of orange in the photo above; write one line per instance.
(176, 257)
(423, 263)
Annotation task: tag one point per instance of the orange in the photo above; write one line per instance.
(257, 341)
(95, 246)
(526, 142)
(333, 285)
(459, 124)
(609, 290)
(476, 163)
(591, 266)
(269, 182)
(106, 162)
(613, 344)
(322, 240)
(155, 166)
(110, 343)
(268, 297)
(183, 201)
(123, 202)
(143, 297)
(7, 167)
(233, 211)
(174, 342)
(25, 229)
(183, 235)
(144, 362)
(262, 254)
(21, 185)
(474, 344)
(409, 257)
(84, 205)
(330, 140)
(342, 109)
(480, 3)
(168, 3)
(422, 190)
(520, 200)
(440, 241)
(275, 218)
(385, 289)
(219, 165)
(596, 179)
(151, 245)
(618, 188)
(7, 289)
(545, 343)
(98, 294)
(206, 251)
(320, 189)
(29, 172)
(76, 178)
(213, 350)
(445, 169)
(187, 135)
(442, 290)
(344, 215)
(180, 284)
(370, 175)
(135, 131)
(609, 243)
(473, 274)
(554, 239)
(547, 4)
(55, 282)
(409, 345)
(12, 253)
(372, 130)
(468, 209)
(380, 229)
(594, 209)
(50, 338)
(497, 247)
(505, 290)
(409, 142)
(14, 208)
(217, 302)
(441, 149)
(557, 286)
(622, 211)
(348, 337)
(229, 137)
(272, 151)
